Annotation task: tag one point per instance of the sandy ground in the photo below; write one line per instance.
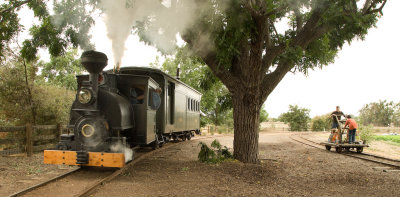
(19, 172)
(286, 169)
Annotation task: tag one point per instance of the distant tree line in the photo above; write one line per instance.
(382, 113)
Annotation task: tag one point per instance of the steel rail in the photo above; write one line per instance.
(366, 154)
(350, 155)
(91, 188)
(108, 178)
(44, 183)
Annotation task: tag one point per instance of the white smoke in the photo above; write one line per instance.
(120, 148)
(167, 19)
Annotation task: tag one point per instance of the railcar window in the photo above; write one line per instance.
(154, 99)
(188, 103)
(136, 94)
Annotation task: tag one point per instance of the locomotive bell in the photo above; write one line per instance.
(94, 61)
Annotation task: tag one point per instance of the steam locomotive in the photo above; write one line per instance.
(112, 112)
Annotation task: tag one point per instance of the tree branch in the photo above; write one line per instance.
(15, 6)
(373, 4)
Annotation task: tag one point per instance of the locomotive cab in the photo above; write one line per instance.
(143, 94)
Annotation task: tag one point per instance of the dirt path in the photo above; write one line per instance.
(20, 172)
(287, 169)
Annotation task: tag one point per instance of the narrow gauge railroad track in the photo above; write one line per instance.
(364, 156)
(108, 176)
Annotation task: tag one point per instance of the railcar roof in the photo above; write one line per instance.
(155, 70)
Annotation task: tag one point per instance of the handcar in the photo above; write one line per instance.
(341, 143)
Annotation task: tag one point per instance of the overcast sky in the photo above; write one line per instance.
(366, 71)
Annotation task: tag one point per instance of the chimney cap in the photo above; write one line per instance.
(94, 61)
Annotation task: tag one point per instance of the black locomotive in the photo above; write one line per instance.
(137, 106)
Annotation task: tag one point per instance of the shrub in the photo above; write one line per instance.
(366, 133)
(215, 154)
(297, 118)
(321, 123)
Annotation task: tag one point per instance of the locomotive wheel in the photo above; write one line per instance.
(339, 149)
(328, 147)
(360, 149)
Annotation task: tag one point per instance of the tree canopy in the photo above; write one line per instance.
(67, 24)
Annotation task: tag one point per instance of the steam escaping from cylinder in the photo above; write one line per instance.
(120, 148)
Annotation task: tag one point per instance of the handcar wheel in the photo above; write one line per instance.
(339, 149)
(328, 147)
(360, 149)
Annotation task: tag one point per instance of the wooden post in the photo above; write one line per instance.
(59, 131)
(29, 143)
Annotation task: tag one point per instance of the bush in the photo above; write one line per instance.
(215, 154)
(366, 133)
(321, 123)
(297, 118)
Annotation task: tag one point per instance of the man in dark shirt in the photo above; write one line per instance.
(336, 115)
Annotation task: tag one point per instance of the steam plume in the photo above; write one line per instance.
(160, 20)
(120, 148)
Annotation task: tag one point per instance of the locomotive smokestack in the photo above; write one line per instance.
(177, 71)
(94, 62)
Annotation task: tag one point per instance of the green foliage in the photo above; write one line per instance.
(215, 154)
(321, 123)
(389, 138)
(42, 103)
(297, 118)
(366, 133)
(61, 70)
(69, 25)
(263, 115)
(381, 113)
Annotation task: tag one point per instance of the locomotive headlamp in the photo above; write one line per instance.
(85, 96)
(87, 130)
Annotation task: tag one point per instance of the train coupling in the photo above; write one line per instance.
(81, 158)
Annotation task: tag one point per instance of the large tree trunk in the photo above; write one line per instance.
(246, 113)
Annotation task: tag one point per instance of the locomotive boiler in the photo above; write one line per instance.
(113, 112)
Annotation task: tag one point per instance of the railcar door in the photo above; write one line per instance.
(153, 103)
